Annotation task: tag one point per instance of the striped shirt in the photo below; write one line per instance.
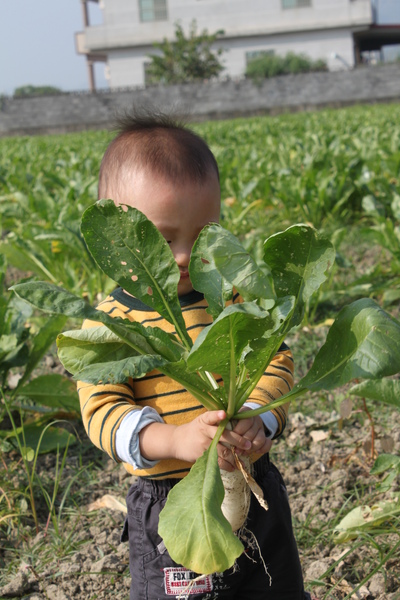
(104, 407)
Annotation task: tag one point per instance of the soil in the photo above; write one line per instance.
(325, 462)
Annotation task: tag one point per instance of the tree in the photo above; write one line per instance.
(268, 64)
(186, 59)
(36, 90)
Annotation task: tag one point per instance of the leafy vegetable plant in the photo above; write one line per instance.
(363, 342)
(41, 207)
(21, 349)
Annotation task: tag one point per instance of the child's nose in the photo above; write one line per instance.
(182, 255)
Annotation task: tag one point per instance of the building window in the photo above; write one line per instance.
(295, 3)
(153, 10)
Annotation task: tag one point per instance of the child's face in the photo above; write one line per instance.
(179, 211)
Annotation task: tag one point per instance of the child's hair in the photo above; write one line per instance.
(159, 143)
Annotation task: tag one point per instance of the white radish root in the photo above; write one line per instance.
(238, 486)
(236, 504)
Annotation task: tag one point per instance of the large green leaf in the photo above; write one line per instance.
(386, 462)
(22, 257)
(119, 371)
(53, 437)
(206, 278)
(131, 250)
(219, 346)
(94, 347)
(56, 300)
(236, 265)
(363, 343)
(97, 354)
(382, 390)
(45, 337)
(53, 299)
(52, 390)
(192, 525)
(80, 348)
(299, 259)
(260, 348)
(364, 519)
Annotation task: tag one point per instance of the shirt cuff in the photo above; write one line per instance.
(127, 437)
(269, 420)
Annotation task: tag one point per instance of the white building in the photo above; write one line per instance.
(337, 31)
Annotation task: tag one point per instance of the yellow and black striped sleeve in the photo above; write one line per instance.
(104, 406)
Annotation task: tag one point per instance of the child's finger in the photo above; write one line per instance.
(226, 459)
(249, 429)
(231, 438)
(260, 446)
(213, 417)
(246, 427)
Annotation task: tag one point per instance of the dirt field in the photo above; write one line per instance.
(325, 466)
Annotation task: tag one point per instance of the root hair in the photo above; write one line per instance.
(247, 536)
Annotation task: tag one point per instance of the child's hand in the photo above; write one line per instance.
(192, 439)
(188, 442)
(252, 429)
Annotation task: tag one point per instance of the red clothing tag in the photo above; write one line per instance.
(178, 579)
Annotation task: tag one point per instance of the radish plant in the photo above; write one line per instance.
(363, 342)
(54, 396)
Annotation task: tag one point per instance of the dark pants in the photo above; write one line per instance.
(152, 569)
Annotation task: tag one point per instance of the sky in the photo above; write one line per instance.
(37, 45)
(388, 11)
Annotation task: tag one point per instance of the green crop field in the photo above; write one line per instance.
(336, 170)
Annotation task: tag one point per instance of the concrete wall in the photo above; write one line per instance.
(214, 100)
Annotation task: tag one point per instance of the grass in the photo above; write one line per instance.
(55, 489)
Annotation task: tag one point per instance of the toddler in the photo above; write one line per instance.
(153, 425)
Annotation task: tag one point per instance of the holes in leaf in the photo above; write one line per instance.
(134, 278)
(123, 262)
(149, 291)
(124, 207)
(137, 250)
